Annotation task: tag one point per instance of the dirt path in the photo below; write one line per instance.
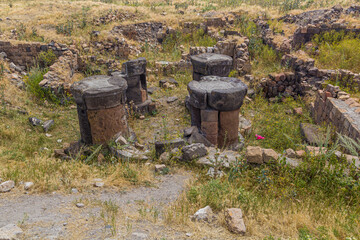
(55, 216)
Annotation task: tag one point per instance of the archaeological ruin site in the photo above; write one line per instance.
(174, 119)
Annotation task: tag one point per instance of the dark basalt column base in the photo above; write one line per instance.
(101, 108)
(214, 105)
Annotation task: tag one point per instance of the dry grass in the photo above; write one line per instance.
(44, 15)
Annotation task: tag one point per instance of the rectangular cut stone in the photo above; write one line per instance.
(132, 81)
(209, 128)
(209, 115)
(143, 95)
(197, 76)
(105, 123)
(195, 116)
(228, 128)
(134, 94)
(213, 139)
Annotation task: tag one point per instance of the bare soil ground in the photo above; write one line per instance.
(55, 216)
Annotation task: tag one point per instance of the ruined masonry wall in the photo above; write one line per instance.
(343, 114)
(25, 54)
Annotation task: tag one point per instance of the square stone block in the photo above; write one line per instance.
(228, 127)
(209, 128)
(209, 115)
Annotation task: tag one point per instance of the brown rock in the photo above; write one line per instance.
(101, 158)
(300, 153)
(254, 155)
(290, 153)
(269, 155)
(234, 220)
(298, 111)
(159, 167)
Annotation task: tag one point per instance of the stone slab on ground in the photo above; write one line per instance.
(225, 158)
(311, 133)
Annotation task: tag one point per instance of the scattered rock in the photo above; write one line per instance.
(14, 67)
(121, 140)
(254, 155)
(7, 186)
(244, 126)
(130, 152)
(138, 236)
(290, 153)
(164, 157)
(35, 121)
(47, 125)
(10, 232)
(204, 214)
(139, 146)
(160, 167)
(213, 173)
(3, 55)
(80, 205)
(189, 131)
(74, 190)
(269, 155)
(28, 185)
(311, 133)
(171, 99)
(164, 83)
(163, 146)
(300, 153)
(60, 153)
(101, 158)
(98, 182)
(193, 151)
(151, 90)
(234, 220)
(298, 111)
(197, 137)
(224, 159)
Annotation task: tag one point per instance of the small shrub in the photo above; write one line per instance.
(46, 59)
(65, 29)
(21, 31)
(288, 5)
(32, 80)
(343, 54)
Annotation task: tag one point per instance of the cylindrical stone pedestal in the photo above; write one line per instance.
(214, 107)
(211, 64)
(101, 108)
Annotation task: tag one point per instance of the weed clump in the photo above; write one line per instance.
(32, 80)
(46, 59)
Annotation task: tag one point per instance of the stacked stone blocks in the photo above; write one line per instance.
(25, 54)
(214, 107)
(343, 113)
(134, 72)
(101, 108)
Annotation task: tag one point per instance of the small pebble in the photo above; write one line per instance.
(80, 205)
(28, 185)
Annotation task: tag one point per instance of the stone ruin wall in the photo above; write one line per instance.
(305, 77)
(25, 54)
(303, 35)
(341, 112)
(308, 25)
